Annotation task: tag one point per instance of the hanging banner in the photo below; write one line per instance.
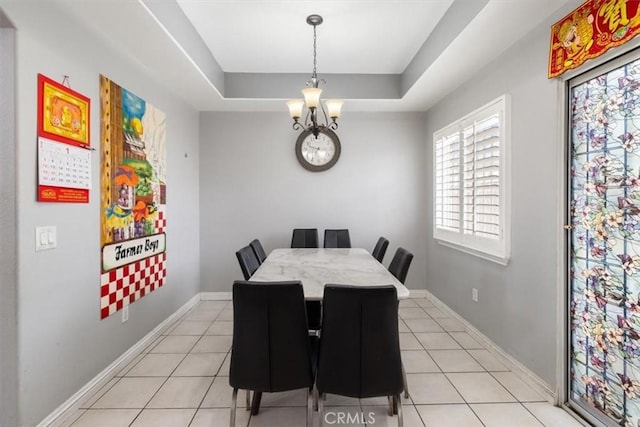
(591, 30)
(133, 197)
(63, 114)
(64, 151)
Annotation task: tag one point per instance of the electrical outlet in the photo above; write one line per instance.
(125, 314)
(474, 294)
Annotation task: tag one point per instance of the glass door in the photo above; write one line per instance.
(604, 282)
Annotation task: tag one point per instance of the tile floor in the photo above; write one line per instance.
(182, 380)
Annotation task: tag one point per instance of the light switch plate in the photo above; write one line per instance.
(46, 237)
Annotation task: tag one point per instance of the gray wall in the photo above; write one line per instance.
(8, 271)
(63, 343)
(251, 186)
(517, 304)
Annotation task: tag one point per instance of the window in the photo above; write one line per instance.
(471, 183)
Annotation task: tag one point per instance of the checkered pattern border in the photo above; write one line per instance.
(122, 286)
(160, 223)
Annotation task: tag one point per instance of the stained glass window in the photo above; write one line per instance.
(605, 245)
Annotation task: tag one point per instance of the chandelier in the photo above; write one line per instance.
(312, 98)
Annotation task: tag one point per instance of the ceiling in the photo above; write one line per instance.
(377, 37)
(252, 55)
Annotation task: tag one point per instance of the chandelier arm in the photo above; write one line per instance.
(333, 125)
(306, 119)
(324, 112)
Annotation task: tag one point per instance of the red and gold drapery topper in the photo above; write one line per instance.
(591, 30)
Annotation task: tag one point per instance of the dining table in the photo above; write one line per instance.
(317, 267)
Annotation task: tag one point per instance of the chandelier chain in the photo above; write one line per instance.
(315, 62)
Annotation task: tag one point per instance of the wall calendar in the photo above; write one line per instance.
(64, 153)
(62, 170)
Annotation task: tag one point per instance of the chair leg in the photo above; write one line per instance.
(315, 398)
(248, 400)
(234, 398)
(255, 403)
(400, 420)
(310, 407)
(406, 384)
(321, 408)
(390, 409)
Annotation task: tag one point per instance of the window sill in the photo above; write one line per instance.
(484, 255)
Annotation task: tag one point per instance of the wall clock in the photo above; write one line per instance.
(318, 154)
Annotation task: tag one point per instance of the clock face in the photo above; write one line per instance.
(318, 151)
(318, 154)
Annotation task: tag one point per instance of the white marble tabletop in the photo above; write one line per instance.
(318, 267)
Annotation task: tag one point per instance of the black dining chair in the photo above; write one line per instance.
(271, 349)
(261, 255)
(359, 354)
(400, 263)
(248, 261)
(314, 316)
(399, 267)
(380, 249)
(304, 238)
(337, 239)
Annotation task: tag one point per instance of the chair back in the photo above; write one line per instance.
(400, 264)
(380, 249)
(248, 261)
(258, 250)
(270, 350)
(359, 352)
(337, 238)
(304, 238)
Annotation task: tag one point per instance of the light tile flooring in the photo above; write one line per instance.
(182, 380)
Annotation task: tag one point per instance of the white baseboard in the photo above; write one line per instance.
(57, 417)
(537, 383)
(417, 293)
(215, 296)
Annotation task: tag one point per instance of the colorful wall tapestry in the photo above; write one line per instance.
(133, 197)
(591, 30)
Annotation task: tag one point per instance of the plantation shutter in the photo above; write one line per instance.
(481, 177)
(447, 181)
(471, 183)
